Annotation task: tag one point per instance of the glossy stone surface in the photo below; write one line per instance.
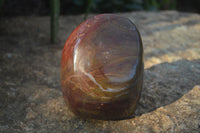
(102, 68)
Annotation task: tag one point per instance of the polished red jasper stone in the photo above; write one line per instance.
(102, 68)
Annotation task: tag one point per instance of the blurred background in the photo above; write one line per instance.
(55, 8)
(42, 7)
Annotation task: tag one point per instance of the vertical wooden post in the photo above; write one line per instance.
(55, 11)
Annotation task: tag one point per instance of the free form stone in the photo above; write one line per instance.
(102, 68)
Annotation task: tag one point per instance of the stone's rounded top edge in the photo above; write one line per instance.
(114, 16)
(108, 15)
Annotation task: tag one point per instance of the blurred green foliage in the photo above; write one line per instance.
(100, 6)
(159, 4)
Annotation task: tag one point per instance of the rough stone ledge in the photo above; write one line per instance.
(181, 116)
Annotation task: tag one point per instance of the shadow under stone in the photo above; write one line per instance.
(167, 82)
(163, 84)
